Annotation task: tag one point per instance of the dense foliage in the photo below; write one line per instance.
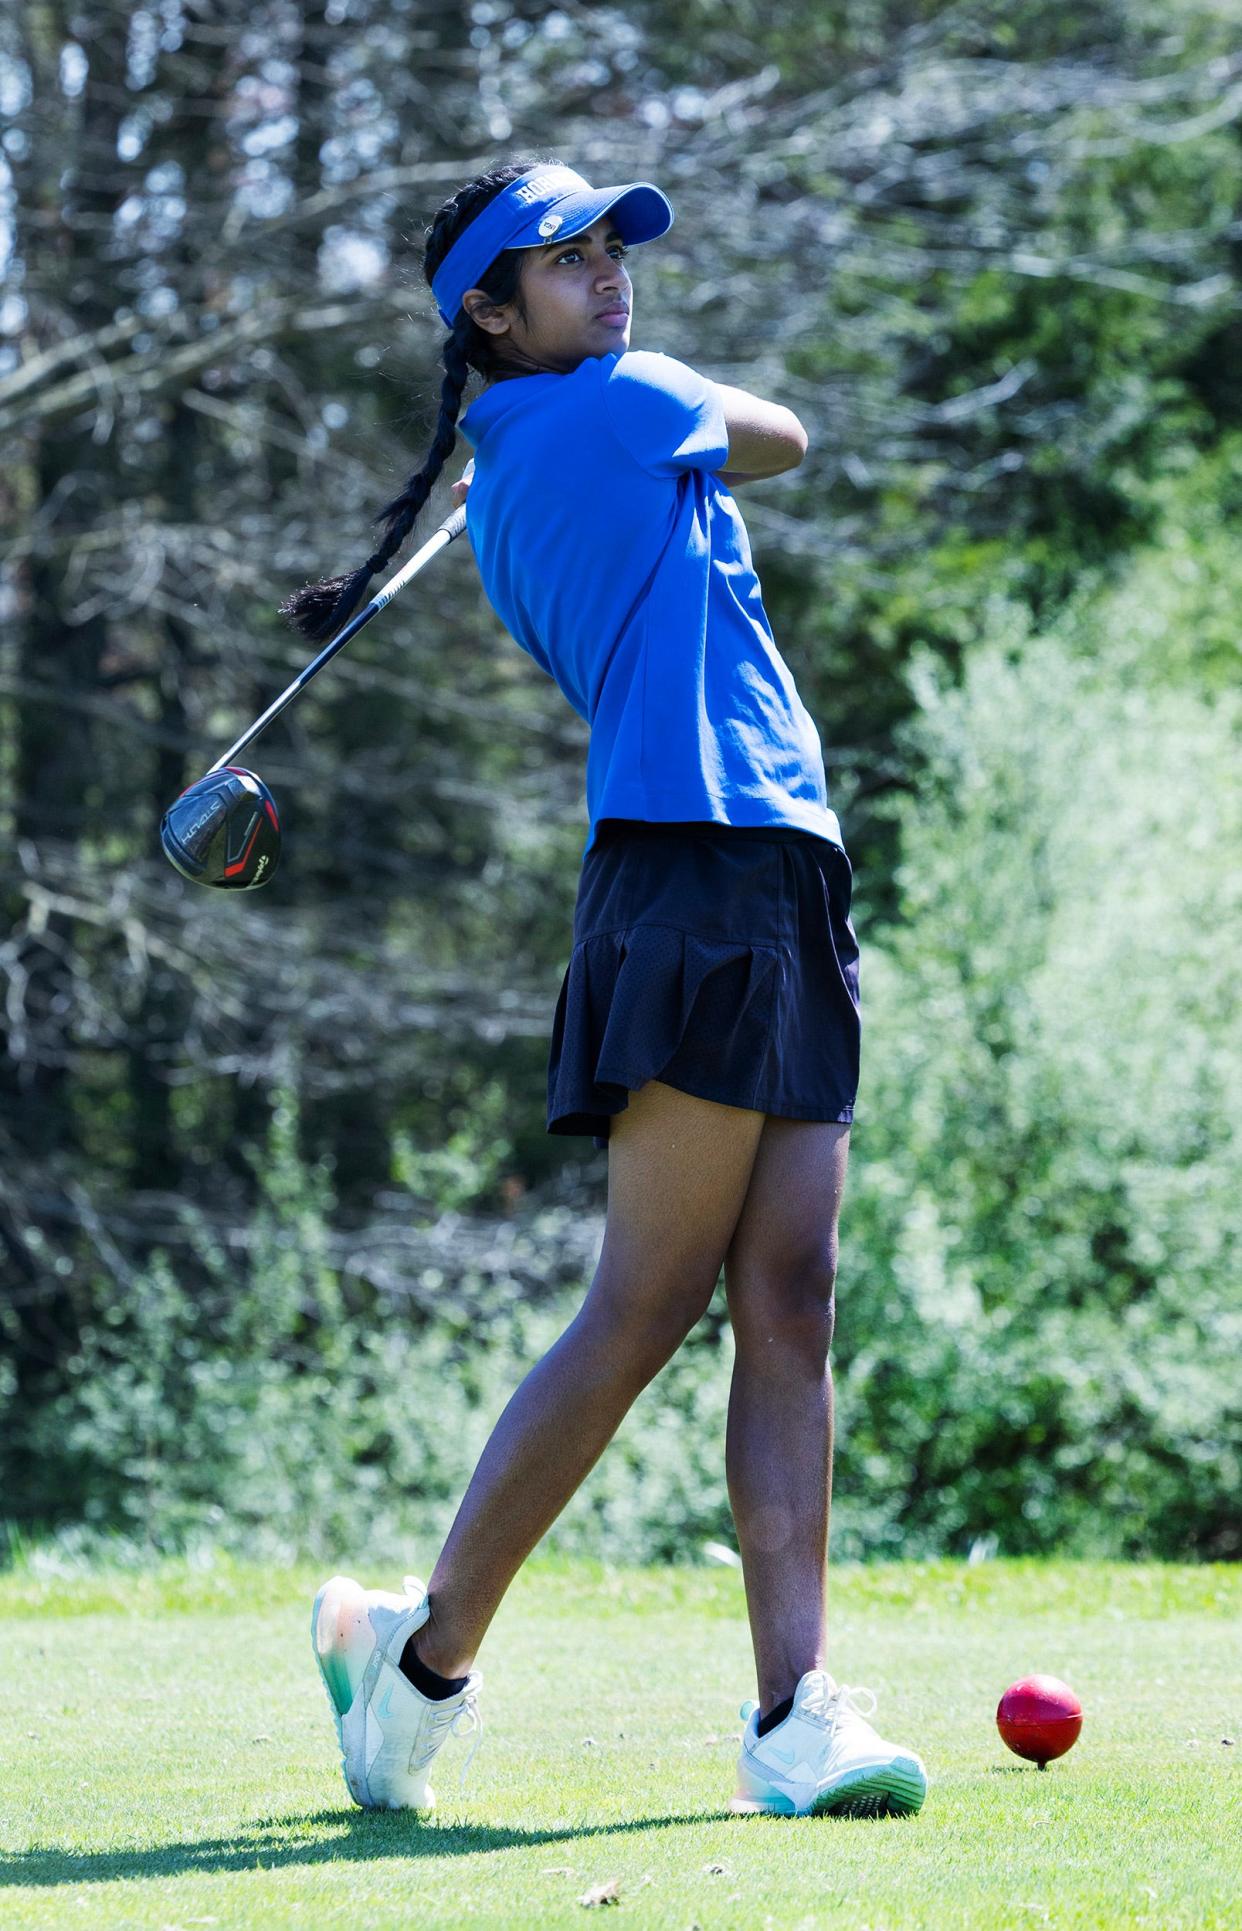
(280, 1226)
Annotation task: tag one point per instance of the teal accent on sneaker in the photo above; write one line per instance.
(763, 1796)
(331, 1662)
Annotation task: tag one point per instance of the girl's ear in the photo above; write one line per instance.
(484, 313)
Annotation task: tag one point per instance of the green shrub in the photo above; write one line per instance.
(1039, 1307)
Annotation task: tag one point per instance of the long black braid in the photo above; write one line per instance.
(320, 609)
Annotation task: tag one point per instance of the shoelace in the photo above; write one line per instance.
(451, 1716)
(826, 1705)
(448, 1719)
(823, 1704)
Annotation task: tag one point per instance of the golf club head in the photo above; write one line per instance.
(223, 831)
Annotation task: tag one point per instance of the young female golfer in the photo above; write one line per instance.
(707, 1031)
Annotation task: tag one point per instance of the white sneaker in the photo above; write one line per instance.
(387, 1730)
(825, 1758)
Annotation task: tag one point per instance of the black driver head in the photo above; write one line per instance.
(224, 831)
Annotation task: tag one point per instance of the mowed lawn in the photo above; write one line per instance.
(168, 1758)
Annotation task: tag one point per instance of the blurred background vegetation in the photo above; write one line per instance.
(280, 1224)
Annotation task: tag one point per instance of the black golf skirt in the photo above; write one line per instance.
(720, 959)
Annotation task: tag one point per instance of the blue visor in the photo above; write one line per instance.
(545, 204)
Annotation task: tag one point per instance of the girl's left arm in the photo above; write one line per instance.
(764, 438)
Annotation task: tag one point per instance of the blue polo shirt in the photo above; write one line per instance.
(612, 554)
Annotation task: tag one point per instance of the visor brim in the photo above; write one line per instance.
(638, 208)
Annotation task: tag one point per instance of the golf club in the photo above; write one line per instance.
(224, 829)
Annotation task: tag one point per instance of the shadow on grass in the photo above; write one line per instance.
(278, 1843)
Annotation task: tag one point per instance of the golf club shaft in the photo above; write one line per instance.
(452, 527)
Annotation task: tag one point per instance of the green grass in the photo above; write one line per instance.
(168, 1758)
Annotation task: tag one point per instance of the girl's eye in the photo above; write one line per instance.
(618, 248)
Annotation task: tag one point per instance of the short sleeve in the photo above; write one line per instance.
(668, 416)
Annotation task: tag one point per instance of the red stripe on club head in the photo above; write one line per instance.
(230, 871)
(270, 809)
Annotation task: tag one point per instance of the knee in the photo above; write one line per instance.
(645, 1329)
(786, 1311)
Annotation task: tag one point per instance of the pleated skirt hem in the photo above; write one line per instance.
(711, 1017)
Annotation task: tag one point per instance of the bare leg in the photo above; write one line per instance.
(678, 1170)
(779, 1275)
